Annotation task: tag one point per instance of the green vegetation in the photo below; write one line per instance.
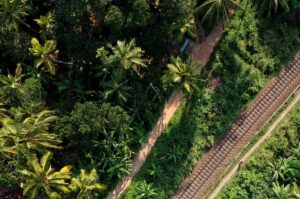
(273, 170)
(82, 81)
(43, 181)
(251, 51)
(181, 74)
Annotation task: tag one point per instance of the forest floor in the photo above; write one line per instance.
(268, 133)
(200, 53)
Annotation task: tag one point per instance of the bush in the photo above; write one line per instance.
(10, 96)
(100, 135)
(33, 95)
(9, 177)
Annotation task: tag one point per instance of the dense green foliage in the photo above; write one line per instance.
(249, 53)
(100, 135)
(81, 80)
(273, 170)
(84, 80)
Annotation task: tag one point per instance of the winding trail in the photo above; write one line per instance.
(261, 140)
(200, 53)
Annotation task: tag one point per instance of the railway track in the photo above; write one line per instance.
(268, 102)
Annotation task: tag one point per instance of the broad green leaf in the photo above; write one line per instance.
(45, 161)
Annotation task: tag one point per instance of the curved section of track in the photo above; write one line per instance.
(268, 101)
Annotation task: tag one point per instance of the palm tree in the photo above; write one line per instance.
(181, 74)
(215, 10)
(47, 25)
(11, 14)
(268, 6)
(43, 181)
(188, 28)
(29, 134)
(129, 56)
(116, 89)
(86, 183)
(46, 54)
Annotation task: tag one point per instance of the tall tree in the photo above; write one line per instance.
(215, 10)
(129, 56)
(181, 74)
(126, 55)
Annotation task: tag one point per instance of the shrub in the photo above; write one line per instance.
(10, 96)
(101, 135)
(33, 95)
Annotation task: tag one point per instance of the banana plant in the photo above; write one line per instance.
(29, 134)
(282, 191)
(42, 181)
(12, 13)
(279, 168)
(47, 25)
(13, 81)
(86, 183)
(46, 55)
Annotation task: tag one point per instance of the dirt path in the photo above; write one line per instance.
(234, 170)
(199, 53)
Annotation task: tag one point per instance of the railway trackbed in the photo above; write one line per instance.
(268, 101)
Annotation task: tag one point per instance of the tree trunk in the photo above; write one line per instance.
(200, 33)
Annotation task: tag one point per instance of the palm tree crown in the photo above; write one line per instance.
(129, 56)
(215, 10)
(181, 74)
